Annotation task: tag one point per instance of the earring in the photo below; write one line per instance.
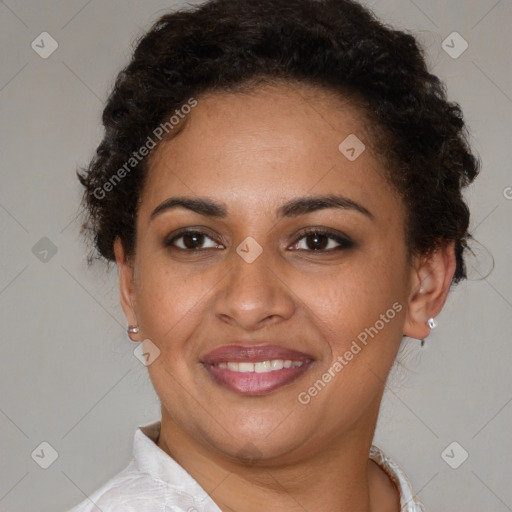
(432, 324)
(132, 329)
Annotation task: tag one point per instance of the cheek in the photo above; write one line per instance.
(360, 315)
(169, 302)
(366, 293)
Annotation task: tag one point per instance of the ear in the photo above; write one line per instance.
(126, 283)
(430, 283)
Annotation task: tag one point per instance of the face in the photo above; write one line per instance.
(277, 317)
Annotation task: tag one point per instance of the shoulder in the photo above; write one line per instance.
(134, 491)
(151, 482)
(113, 493)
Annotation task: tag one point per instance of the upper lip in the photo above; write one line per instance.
(252, 354)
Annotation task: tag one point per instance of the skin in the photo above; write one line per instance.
(253, 152)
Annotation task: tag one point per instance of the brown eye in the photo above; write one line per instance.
(190, 240)
(317, 240)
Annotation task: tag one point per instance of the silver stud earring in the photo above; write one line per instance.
(431, 323)
(132, 329)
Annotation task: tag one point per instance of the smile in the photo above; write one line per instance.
(261, 366)
(255, 370)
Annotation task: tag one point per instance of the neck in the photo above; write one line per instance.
(337, 477)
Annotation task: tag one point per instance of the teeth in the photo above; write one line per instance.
(245, 367)
(277, 364)
(260, 366)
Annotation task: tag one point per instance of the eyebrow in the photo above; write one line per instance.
(293, 208)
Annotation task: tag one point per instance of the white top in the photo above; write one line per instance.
(154, 482)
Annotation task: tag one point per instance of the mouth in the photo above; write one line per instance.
(256, 369)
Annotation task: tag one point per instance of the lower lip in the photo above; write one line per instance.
(252, 383)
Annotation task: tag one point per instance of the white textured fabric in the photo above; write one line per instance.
(154, 482)
(408, 500)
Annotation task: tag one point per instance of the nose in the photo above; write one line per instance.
(254, 295)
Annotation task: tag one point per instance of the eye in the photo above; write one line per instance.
(191, 240)
(320, 240)
(315, 240)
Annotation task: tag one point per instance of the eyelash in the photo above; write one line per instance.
(344, 241)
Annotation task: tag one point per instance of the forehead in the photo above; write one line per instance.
(270, 143)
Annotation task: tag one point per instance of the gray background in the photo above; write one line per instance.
(67, 372)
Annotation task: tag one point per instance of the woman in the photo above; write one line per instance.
(280, 186)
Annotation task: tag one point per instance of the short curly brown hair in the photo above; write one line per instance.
(335, 44)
